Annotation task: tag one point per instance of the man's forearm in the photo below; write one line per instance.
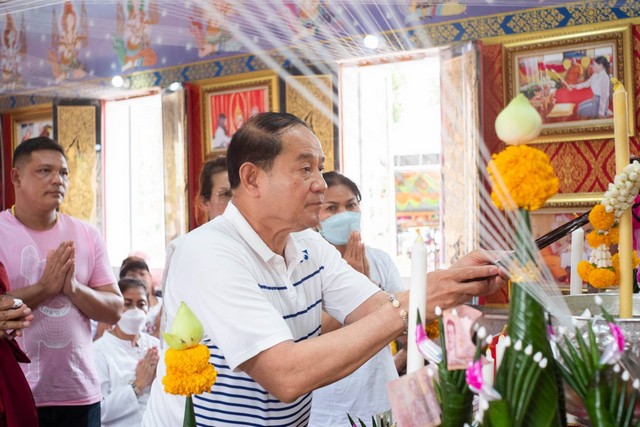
(103, 304)
(33, 296)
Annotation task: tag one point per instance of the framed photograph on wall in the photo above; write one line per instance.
(228, 103)
(30, 122)
(558, 211)
(567, 78)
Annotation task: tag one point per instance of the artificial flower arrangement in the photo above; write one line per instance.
(602, 270)
(188, 369)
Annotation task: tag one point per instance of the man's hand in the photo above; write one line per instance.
(59, 262)
(354, 254)
(13, 319)
(473, 275)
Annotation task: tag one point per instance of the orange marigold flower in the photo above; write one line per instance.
(602, 278)
(614, 235)
(596, 238)
(600, 218)
(189, 371)
(521, 177)
(584, 269)
(432, 330)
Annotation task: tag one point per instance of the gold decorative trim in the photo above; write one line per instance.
(575, 200)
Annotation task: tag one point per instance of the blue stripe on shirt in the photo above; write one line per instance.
(299, 313)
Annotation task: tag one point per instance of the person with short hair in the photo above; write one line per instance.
(259, 276)
(126, 359)
(137, 268)
(215, 191)
(58, 266)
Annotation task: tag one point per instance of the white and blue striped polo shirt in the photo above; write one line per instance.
(250, 299)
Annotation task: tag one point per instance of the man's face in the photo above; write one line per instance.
(41, 181)
(293, 189)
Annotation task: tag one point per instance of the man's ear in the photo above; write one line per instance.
(249, 178)
(15, 177)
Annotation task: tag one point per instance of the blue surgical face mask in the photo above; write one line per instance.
(337, 228)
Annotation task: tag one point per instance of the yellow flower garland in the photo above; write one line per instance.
(607, 233)
(189, 371)
(521, 177)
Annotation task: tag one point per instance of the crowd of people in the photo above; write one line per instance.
(298, 312)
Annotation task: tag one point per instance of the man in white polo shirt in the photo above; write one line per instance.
(258, 278)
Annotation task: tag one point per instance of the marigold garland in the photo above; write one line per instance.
(189, 371)
(521, 177)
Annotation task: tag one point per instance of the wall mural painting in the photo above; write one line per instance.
(425, 10)
(206, 24)
(68, 36)
(14, 50)
(131, 43)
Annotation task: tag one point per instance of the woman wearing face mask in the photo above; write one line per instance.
(126, 360)
(363, 393)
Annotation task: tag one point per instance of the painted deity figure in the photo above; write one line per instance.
(132, 44)
(14, 49)
(66, 40)
(207, 26)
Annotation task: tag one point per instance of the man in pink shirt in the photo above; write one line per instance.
(58, 266)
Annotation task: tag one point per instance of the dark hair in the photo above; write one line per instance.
(24, 149)
(131, 283)
(604, 62)
(132, 263)
(210, 168)
(335, 178)
(258, 142)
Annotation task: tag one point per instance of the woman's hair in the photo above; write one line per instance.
(210, 168)
(334, 178)
(604, 62)
(132, 283)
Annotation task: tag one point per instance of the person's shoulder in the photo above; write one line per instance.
(77, 223)
(377, 253)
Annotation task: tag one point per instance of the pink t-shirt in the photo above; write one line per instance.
(62, 370)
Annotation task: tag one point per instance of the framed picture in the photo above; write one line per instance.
(317, 112)
(559, 210)
(567, 78)
(557, 256)
(30, 122)
(228, 103)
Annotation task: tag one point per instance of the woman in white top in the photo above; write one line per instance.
(126, 360)
(363, 393)
(600, 84)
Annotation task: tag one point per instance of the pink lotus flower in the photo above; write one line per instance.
(430, 350)
(615, 349)
(477, 383)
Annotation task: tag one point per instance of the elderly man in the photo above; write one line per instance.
(58, 266)
(258, 278)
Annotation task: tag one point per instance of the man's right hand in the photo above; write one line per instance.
(13, 319)
(59, 262)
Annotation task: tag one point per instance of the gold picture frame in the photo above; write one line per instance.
(317, 113)
(29, 122)
(564, 201)
(562, 77)
(229, 102)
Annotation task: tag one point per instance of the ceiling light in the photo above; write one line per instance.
(174, 86)
(117, 81)
(371, 41)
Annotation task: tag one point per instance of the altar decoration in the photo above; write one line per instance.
(599, 377)
(188, 369)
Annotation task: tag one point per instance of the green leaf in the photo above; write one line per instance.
(498, 414)
(596, 406)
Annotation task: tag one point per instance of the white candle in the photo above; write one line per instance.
(488, 369)
(417, 301)
(620, 128)
(577, 240)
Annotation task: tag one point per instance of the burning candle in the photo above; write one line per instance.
(417, 301)
(577, 241)
(622, 159)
